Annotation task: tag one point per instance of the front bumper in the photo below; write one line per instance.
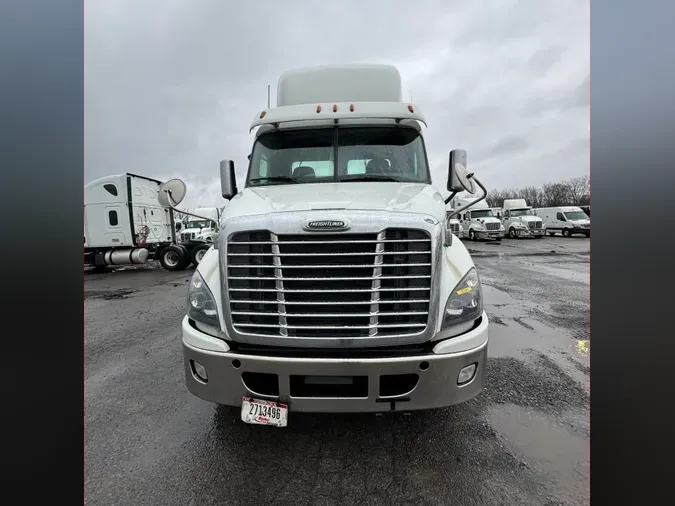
(402, 383)
(530, 232)
(485, 234)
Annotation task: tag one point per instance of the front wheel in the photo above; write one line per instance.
(172, 258)
(512, 233)
(198, 253)
(567, 232)
(472, 235)
(539, 236)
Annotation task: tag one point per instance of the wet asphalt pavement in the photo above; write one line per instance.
(524, 440)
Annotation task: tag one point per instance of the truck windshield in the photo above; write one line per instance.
(576, 215)
(198, 224)
(330, 155)
(482, 213)
(521, 212)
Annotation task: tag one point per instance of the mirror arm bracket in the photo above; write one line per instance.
(461, 209)
(452, 196)
(168, 194)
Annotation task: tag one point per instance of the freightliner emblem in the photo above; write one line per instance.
(326, 225)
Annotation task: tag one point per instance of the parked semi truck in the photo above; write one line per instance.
(335, 284)
(205, 229)
(453, 223)
(124, 224)
(480, 222)
(520, 221)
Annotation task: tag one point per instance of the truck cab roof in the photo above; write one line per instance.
(340, 94)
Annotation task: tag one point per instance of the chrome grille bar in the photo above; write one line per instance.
(279, 284)
(377, 283)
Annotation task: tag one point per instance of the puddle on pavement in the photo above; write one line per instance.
(556, 451)
(515, 332)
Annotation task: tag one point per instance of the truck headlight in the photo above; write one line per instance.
(465, 303)
(201, 304)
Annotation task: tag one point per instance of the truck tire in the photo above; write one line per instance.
(187, 257)
(567, 232)
(172, 258)
(539, 236)
(512, 233)
(472, 235)
(198, 253)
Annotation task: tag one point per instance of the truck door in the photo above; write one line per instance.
(114, 233)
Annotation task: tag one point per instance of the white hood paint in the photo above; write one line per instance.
(530, 218)
(396, 197)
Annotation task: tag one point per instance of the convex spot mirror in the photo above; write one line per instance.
(171, 193)
(459, 179)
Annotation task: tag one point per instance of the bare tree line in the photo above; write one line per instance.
(573, 192)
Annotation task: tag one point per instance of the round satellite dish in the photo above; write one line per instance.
(171, 193)
(464, 178)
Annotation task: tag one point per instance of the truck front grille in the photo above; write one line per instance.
(329, 285)
(455, 228)
(492, 226)
(534, 224)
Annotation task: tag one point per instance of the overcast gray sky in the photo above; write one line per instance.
(171, 86)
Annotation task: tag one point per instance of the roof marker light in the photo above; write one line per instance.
(410, 108)
(318, 109)
(351, 108)
(262, 114)
(335, 108)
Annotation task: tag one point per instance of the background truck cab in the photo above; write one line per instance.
(479, 222)
(520, 221)
(567, 220)
(453, 224)
(201, 229)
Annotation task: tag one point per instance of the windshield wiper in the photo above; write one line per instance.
(371, 178)
(284, 179)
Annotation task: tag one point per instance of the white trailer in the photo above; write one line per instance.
(125, 224)
(479, 222)
(520, 221)
(336, 285)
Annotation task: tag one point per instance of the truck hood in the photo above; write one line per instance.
(381, 196)
(530, 218)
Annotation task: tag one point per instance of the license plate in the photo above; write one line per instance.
(259, 412)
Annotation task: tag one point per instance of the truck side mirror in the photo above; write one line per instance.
(228, 179)
(458, 180)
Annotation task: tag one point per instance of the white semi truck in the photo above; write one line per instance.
(205, 229)
(480, 222)
(520, 221)
(335, 284)
(454, 224)
(124, 224)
